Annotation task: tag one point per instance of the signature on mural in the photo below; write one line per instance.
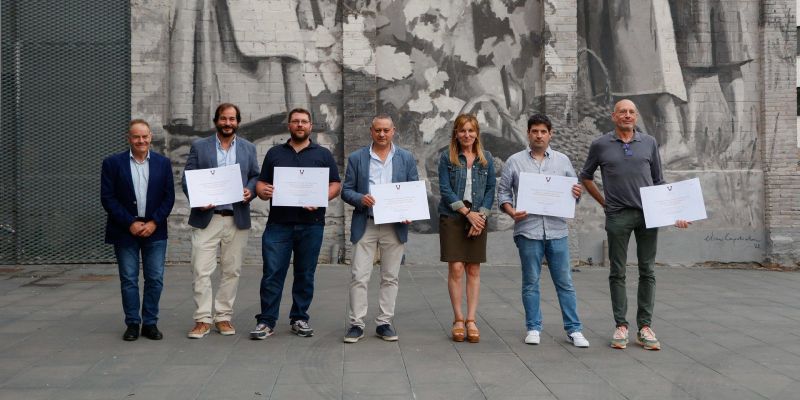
(736, 239)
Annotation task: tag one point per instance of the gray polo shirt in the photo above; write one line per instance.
(623, 170)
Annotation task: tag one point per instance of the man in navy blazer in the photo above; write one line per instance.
(137, 192)
(380, 163)
(226, 227)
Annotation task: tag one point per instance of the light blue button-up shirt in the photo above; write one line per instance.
(140, 174)
(380, 172)
(535, 227)
(224, 158)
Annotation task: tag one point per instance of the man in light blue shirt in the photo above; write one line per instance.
(220, 229)
(137, 192)
(538, 236)
(381, 162)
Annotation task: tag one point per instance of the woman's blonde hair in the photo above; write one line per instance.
(477, 147)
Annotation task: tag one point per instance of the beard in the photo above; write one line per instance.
(221, 131)
(299, 135)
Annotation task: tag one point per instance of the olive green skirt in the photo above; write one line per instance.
(454, 244)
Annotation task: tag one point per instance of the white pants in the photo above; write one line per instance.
(220, 233)
(375, 236)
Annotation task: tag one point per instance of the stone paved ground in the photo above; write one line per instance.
(727, 334)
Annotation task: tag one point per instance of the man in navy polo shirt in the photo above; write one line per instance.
(292, 229)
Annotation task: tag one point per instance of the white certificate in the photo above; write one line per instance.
(664, 204)
(300, 187)
(402, 201)
(217, 186)
(546, 195)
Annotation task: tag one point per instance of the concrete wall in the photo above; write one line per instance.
(712, 85)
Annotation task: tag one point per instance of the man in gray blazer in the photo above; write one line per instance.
(220, 226)
(380, 163)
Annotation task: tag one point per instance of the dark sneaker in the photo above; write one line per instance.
(261, 332)
(151, 332)
(647, 339)
(132, 333)
(353, 334)
(301, 328)
(386, 332)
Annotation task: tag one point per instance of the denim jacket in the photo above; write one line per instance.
(452, 181)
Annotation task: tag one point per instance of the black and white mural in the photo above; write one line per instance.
(688, 64)
(691, 67)
(435, 60)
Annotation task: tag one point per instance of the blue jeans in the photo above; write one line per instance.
(557, 253)
(153, 255)
(277, 244)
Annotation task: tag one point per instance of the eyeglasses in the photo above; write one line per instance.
(626, 147)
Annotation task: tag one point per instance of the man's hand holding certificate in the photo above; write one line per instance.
(401, 201)
(217, 186)
(300, 187)
(665, 204)
(546, 195)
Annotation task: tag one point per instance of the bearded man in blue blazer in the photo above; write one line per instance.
(137, 192)
(381, 162)
(224, 227)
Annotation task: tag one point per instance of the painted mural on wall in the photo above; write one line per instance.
(435, 60)
(691, 67)
(265, 56)
(688, 64)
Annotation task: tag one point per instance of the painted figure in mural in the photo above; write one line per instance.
(687, 75)
(224, 227)
(137, 192)
(381, 162)
(466, 184)
(292, 230)
(264, 56)
(628, 160)
(533, 242)
(437, 60)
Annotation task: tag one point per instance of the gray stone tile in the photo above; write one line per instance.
(375, 384)
(501, 375)
(448, 391)
(28, 394)
(588, 391)
(47, 376)
(311, 391)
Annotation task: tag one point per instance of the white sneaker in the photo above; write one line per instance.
(533, 337)
(577, 339)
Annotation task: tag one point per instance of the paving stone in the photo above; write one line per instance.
(712, 348)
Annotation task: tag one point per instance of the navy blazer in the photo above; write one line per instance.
(204, 155)
(356, 186)
(119, 199)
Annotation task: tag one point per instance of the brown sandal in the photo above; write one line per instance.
(458, 333)
(473, 335)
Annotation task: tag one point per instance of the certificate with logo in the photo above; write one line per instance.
(546, 195)
(664, 204)
(300, 187)
(217, 186)
(402, 201)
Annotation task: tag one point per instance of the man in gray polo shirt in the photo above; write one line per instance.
(628, 160)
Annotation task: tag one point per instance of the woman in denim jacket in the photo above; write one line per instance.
(466, 185)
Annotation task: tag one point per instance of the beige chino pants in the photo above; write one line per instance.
(220, 233)
(376, 236)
